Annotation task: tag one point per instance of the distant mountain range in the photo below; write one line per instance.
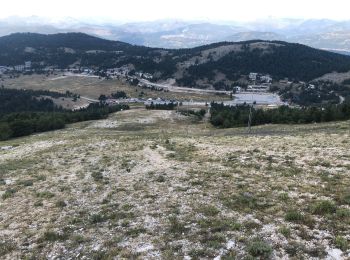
(217, 65)
(322, 34)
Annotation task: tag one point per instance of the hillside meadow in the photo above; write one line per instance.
(160, 185)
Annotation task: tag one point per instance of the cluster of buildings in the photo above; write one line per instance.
(27, 66)
(260, 83)
(113, 101)
(144, 75)
(147, 102)
(124, 71)
(159, 101)
(118, 72)
(260, 78)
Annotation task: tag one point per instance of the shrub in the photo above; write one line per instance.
(213, 240)
(324, 207)
(209, 210)
(343, 213)
(45, 194)
(78, 239)
(294, 216)
(241, 201)
(135, 232)
(97, 218)
(6, 247)
(283, 196)
(219, 224)
(97, 176)
(176, 227)
(160, 178)
(53, 236)
(38, 203)
(259, 248)
(346, 199)
(61, 204)
(8, 193)
(26, 183)
(341, 243)
(251, 224)
(285, 231)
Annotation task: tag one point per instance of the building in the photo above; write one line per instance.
(159, 101)
(266, 79)
(3, 69)
(253, 76)
(258, 88)
(19, 67)
(147, 76)
(28, 65)
(237, 89)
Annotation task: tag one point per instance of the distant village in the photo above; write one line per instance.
(258, 90)
(258, 83)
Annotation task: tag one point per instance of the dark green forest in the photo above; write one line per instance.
(235, 116)
(322, 92)
(23, 112)
(168, 106)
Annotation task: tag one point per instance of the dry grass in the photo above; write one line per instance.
(157, 185)
(94, 87)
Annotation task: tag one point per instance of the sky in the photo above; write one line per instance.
(149, 10)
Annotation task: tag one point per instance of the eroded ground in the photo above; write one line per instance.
(158, 185)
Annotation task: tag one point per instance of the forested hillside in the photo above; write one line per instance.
(23, 112)
(212, 64)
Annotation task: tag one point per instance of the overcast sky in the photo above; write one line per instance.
(147, 10)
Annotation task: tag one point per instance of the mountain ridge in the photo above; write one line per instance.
(168, 33)
(218, 63)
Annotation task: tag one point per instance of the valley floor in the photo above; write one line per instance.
(159, 185)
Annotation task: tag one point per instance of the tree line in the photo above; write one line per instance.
(236, 116)
(41, 114)
(165, 106)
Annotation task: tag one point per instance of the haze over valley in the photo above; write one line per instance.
(177, 33)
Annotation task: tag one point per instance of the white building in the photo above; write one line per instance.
(19, 67)
(238, 89)
(266, 78)
(3, 69)
(253, 76)
(28, 65)
(147, 76)
(257, 88)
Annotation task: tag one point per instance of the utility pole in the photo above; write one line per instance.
(250, 119)
(188, 103)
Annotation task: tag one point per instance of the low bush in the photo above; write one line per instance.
(324, 207)
(259, 249)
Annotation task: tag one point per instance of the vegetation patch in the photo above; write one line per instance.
(323, 207)
(259, 248)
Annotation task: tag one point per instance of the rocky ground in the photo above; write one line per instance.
(158, 185)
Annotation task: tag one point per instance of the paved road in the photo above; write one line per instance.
(89, 99)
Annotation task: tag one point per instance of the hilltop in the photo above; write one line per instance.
(220, 63)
